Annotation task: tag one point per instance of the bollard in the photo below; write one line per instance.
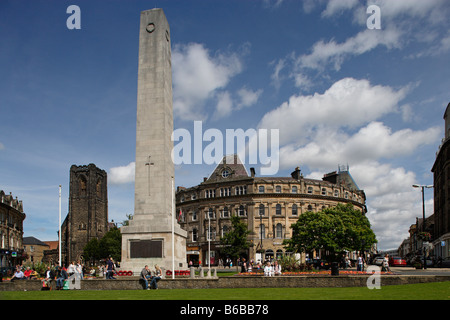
(202, 275)
(334, 269)
(192, 271)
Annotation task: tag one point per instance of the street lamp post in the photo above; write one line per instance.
(209, 241)
(423, 215)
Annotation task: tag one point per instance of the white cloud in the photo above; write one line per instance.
(375, 141)
(248, 97)
(224, 105)
(276, 76)
(392, 11)
(347, 103)
(325, 53)
(197, 75)
(272, 3)
(402, 22)
(412, 8)
(337, 6)
(123, 174)
(393, 204)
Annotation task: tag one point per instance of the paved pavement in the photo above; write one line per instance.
(428, 271)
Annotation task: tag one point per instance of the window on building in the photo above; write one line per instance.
(261, 189)
(336, 193)
(294, 210)
(294, 189)
(310, 190)
(224, 192)
(279, 231)
(211, 234)
(194, 215)
(241, 211)
(278, 189)
(310, 208)
(210, 193)
(210, 213)
(194, 235)
(278, 209)
(241, 190)
(324, 191)
(225, 212)
(225, 230)
(262, 231)
(262, 210)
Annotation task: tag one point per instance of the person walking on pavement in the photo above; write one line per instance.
(110, 269)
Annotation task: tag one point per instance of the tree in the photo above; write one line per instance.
(92, 251)
(108, 246)
(235, 242)
(338, 229)
(358, 232)
(111, 244)
(127, 221)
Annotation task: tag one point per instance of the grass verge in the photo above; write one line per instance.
(424, 291)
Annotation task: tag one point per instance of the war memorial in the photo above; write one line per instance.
(152, 237)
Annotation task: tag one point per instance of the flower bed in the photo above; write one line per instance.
(313, 273)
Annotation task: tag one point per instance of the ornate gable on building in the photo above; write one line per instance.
(230, 168)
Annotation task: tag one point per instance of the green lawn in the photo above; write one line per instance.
(428, 291)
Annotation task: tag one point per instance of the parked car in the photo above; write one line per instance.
(418, 260)
(378, 261)
(397, 262)
(444, 263)
(319, 264)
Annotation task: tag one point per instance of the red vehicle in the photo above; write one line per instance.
(397, 262)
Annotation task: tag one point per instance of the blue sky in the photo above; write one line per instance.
(338, 92)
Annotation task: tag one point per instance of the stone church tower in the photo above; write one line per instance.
(88, 211)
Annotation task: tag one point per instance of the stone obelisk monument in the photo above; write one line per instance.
(152, 236)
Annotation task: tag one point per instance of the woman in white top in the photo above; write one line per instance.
(268, 270)
(277, 269)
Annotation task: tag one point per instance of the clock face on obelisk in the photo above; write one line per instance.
(150, 27)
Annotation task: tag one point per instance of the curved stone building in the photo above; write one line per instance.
(268, 205)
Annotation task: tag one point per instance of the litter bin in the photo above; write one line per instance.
(334, 269)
